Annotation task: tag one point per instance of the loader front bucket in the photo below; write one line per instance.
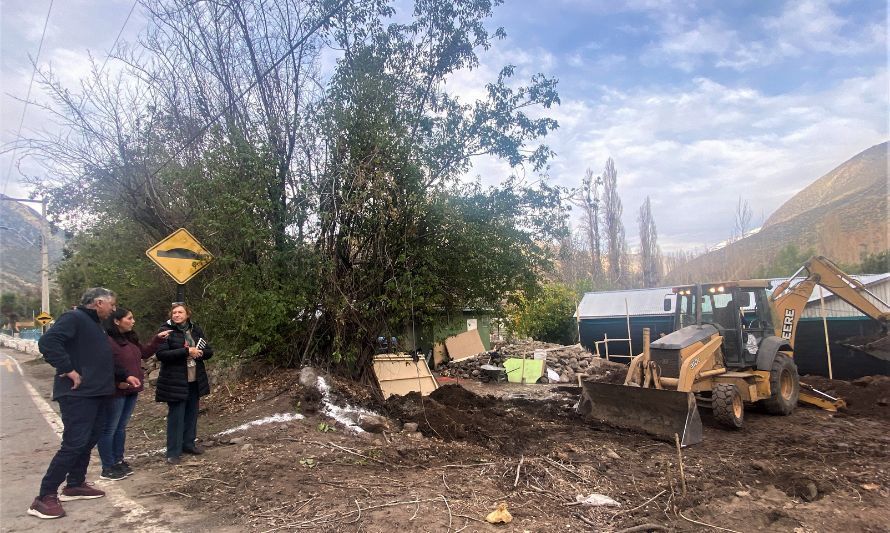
(659, 412)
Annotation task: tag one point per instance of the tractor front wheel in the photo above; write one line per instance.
(728, 407)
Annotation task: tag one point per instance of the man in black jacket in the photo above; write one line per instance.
(77, 347)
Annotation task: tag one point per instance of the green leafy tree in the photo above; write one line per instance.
(785, 263)
(546, 314)
(333, 206)
(878, 263)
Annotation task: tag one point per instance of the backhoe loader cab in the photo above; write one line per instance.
(739, 310)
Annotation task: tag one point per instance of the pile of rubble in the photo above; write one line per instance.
(567, 361)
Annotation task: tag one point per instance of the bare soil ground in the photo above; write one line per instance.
(481, 444)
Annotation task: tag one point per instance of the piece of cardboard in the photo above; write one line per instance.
(399, 375)
(439, 354)
(533, 370)
(465, 345)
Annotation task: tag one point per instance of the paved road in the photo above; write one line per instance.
(30, 433)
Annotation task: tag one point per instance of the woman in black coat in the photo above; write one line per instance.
(182, 380)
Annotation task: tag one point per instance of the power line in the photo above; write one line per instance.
(116, 39)
(27, 98)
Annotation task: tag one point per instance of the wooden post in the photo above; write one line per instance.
(825, 327)
(606, 342)
(630, 347)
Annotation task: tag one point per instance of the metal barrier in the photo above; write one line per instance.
(605, 342)
(31, 334)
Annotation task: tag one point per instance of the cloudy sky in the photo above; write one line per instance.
(698, 103)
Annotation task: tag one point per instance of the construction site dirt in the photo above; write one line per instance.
(477, 445)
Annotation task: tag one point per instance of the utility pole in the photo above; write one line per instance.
(44, 259)
(44, 250)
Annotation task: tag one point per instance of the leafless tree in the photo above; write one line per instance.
(614, 228)
(742, 220)
(650, 253)
(588, 199)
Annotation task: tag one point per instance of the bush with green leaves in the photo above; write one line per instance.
(546, 315)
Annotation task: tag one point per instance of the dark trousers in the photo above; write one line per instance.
(182, 422)
(84, 421)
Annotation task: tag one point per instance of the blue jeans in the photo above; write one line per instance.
(182, 422)
(84, 420)
(113, 439)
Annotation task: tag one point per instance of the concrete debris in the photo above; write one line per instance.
(568, 362)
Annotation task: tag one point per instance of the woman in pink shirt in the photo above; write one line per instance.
(128, 354)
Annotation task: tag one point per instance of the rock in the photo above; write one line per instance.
(864, 381)
(373, 423)
(612, 455)
(247, 447)
(760, 465)
(810, 492)
(308, 377)
(883, 402)
(870, 486)
(743, 493)
(416, 435)
(153, 377)
(410, 427)
(237, 440)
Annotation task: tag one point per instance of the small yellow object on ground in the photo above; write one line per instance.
(499, 515)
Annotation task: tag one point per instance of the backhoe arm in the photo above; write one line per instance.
(789, 300)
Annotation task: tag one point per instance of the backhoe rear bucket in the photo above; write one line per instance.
(877, 345)
(659, 412)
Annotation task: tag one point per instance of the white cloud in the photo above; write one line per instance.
(695, 149)
(803, 26)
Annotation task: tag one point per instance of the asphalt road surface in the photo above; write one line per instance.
(30, 433)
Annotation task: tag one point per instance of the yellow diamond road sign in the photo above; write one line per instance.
(180, 255)
(44, 318)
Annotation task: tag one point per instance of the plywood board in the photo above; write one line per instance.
(533, 369)
(399, 375)
(465, 345)
(439, 355)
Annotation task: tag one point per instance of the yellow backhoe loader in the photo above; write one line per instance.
(732, 344)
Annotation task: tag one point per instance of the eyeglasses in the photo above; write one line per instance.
(175, 304)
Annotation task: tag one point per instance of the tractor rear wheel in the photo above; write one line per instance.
(728, 407)
(784, 386)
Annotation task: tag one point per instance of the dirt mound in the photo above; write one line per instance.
(868, 396)
(453, 395)
(452, 413)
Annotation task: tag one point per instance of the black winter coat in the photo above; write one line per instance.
(173, 383)
(78, 342)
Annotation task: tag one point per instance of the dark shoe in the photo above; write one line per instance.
(114, 473)
(81, 492)
(173, 460)
(197, 450)
(124, 467)
(47, 507)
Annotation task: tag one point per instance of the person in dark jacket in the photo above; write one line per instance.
(77, 347)
(128, 354)
(182, 380)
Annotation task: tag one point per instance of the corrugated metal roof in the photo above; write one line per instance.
(640, 302)
(612, 303)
